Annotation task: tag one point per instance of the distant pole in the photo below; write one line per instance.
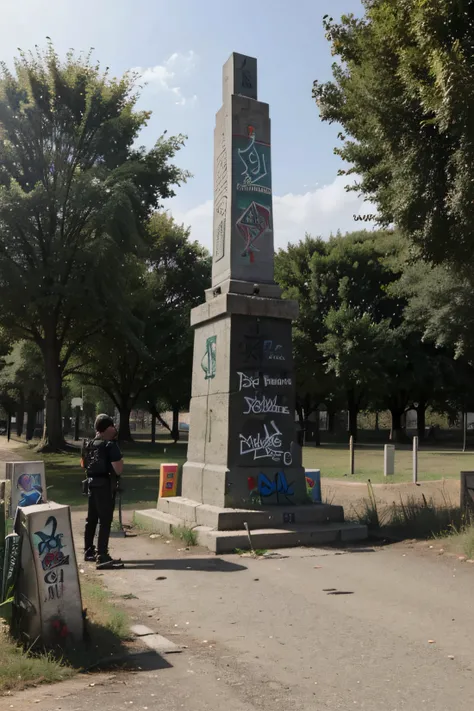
(464, 431)
(76, 424)
(415, 460)
(351, 455)
(389, 460)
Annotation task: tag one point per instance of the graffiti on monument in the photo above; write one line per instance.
(30, 489)
(208, 363)
(50, 544)
(260, 405)
(266, 445)
(256, 380)
(273, 351)
(264, 487)
(254, 222)
(220, 200)
(253, 160)
(255, 349)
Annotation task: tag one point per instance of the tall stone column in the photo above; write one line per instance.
(244, 471)
(242, 449)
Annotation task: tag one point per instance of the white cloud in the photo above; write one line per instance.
(164, 77)
(320, 211)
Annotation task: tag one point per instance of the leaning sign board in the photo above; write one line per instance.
(48, 589)
(28, 484)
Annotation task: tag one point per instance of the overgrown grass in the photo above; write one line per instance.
(107, 631)
(411, 517)
(20, 668)
(185, 534)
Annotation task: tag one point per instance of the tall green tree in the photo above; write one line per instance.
(403, 92)
(152, 359)
(75, 196)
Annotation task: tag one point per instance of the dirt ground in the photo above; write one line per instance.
(352, 494)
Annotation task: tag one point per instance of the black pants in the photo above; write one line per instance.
(100, 510)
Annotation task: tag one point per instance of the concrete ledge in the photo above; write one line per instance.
(290, 537)
(193, 513)
(157, 521)
(243, 304)
(287, 536)
(234, 286)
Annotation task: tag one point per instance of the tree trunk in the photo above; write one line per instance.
(53, 438)
(30, 423)
(76, 424)
(331, 421)
(397, 434)
(124, 433)
(175, 426)
(20, 419)
(9, 426)
(421, 421)
(353, 410)
(153, 427)
(317, 431)
(376, 421)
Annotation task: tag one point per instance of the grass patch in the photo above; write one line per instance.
(257, 553)
(411, 517)
(107, 631)
(433, 464)
(141, 474)
(143, 459)
(185, 534)
(20, 668)
(102, 614)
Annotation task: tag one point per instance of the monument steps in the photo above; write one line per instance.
(194, 513)
(287, 536)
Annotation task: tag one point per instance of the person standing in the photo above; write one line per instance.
(103, 462)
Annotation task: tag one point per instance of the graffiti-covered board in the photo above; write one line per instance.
(49, 582)
(28, 484)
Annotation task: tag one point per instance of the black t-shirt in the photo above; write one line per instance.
(102, 454)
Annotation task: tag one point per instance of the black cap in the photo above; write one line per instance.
(103, 422)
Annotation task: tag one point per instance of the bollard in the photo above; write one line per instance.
(389, 460)
(415, 460)
(351, 456)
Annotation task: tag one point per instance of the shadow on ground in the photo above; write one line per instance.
(209, 565)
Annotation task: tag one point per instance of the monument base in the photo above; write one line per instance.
(223, 530)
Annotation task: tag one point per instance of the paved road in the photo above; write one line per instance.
(269, 634)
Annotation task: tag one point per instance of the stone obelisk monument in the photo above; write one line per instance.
(244, 469)
(242, 448)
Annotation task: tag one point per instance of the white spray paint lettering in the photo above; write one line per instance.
(257, 406)
(268, 446)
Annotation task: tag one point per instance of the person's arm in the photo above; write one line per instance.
(115, 458)
(118, 467)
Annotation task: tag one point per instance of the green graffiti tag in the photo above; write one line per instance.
(208, 363)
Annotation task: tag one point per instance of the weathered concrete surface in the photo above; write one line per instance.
(267, 635)
(48, 583)
(227, 541)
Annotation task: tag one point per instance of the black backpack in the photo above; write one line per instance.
(94, 458)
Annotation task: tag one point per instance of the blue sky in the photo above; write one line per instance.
(180, 47)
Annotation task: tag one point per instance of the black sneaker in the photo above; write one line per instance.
(90, 556)
(106, 562)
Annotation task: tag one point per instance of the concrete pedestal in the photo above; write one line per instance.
(48, 589)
